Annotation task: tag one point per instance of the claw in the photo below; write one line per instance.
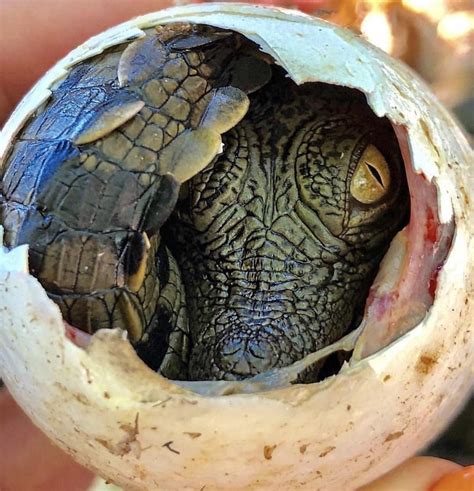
(136, 274)
(133, 320)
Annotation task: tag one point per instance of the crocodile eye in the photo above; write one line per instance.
(371, 179)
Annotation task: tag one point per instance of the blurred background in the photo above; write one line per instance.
(434, 37)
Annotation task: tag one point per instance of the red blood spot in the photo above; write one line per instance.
(431, 227)
(78, 337)
(433, 283)
(70, 333)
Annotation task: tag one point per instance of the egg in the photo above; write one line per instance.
(412, 358)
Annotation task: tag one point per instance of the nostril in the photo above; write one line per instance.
(244, 355)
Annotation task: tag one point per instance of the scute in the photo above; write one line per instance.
(189, 153)
(111, 148)
(108, 117)
(140, 60)
(227, 107)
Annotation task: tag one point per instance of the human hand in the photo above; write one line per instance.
(31, 40)
(425, 474)
(29, 461)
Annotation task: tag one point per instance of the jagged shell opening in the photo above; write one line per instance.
(396, 302)
(139, 430)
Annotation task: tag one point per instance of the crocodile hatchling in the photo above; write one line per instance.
(181, 187)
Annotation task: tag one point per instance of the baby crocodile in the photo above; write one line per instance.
(182, 188)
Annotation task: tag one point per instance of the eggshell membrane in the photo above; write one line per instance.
(141, 431)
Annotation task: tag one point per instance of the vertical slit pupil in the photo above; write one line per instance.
(373, 170)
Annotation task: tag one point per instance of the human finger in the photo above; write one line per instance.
(416, 474)
(459, 480)
(29, 461)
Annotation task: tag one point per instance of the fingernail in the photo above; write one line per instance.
(459, 480)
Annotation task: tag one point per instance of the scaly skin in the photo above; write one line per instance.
(266, 258)
(83, 208)
(276, 257)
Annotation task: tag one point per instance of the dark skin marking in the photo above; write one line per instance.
(266, 257)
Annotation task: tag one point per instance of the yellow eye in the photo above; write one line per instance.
(371, 179)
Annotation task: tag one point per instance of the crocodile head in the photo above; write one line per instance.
(278, 240)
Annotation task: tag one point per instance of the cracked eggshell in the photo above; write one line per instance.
(140, 431)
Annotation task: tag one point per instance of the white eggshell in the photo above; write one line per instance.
(140, 431)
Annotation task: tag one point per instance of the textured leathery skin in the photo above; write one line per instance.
(82, 208)
(276, 257)
(266, 257)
